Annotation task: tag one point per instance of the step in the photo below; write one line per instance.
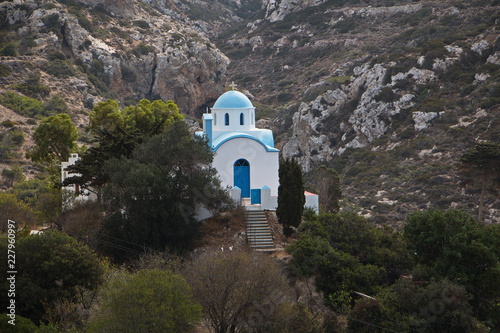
(258, 233)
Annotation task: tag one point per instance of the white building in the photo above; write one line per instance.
(75, 193)
(245, 156)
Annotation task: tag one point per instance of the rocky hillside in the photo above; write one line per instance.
(389, 93)
(94, 49)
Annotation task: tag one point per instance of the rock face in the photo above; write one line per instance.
(374, 101)
(131, 52)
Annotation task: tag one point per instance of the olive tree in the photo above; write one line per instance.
(237, 290)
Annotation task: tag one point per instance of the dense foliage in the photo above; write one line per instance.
(117, 132)
(291, 197)
(453, 245)
(146, 301)
(55, 139)
(56, 270)
(154, 195)
(347, 253)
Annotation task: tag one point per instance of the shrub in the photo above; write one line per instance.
(142, 24)
(8, 123)
(17, 137)
(128, 73)
(22, 105)
(4, 70)
(32, 87)
(143, 49)
(31, 107)
(346, 25)
(51, 22)
(56, 55)
(59, 68)
(9, 50)
(56, 105)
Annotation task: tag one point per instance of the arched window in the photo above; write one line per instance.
(251, 117)
(242, 119)
(215, 119)
(226, 119)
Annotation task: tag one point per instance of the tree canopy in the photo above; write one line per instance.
(347, 253)
(147, 301)
(55, 137)
(154, 195)
(116, 132)
(55, 268)
(453, 245)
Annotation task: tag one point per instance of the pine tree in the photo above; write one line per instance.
(291, 197)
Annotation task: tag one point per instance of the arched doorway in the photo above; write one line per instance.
(242, 176)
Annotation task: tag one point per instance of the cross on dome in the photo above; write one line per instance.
(233, 86)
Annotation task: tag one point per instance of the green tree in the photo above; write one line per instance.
(481, 164)
(117, 132)
(237, 290)
(14, 174)
(14, 209)
(56, 105)
(291, 197)
(32, 87)
(440, 306)
(346, 253)
(53, 267)
(147, 301)
(453, 245)
(155, 194)
(55, 137)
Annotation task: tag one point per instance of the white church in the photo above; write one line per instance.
(244, 156)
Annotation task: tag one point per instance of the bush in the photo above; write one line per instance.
(346, 25)
(22, 105)
(32, 87)
(9, 50)
(59, 68)
(142, 24)
(56, 105)
(8, 123)
(4, 70)
(17, 137)
(142, 49)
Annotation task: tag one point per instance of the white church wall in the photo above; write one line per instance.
(219, 124)
(264, 165)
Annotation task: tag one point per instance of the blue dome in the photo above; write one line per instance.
(232, 100)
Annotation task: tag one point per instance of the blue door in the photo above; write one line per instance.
(255, 196)
(242, 177)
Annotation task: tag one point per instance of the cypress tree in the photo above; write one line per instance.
(291, 197)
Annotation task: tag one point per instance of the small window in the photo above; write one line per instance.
(226, 119)
(242, 119)
(251, 117)
(215, 119)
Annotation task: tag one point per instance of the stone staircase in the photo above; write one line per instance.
(258, 233)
